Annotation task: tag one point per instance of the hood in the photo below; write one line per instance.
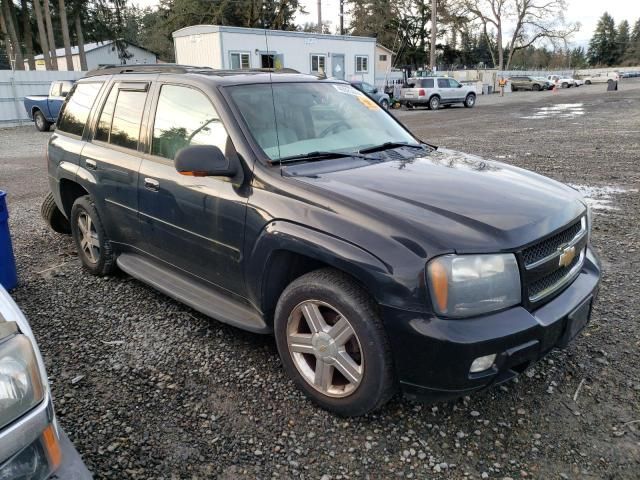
(450, 201)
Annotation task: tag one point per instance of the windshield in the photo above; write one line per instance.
(310, 117)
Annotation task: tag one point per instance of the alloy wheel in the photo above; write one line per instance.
(325, 348)
(39, 122)
(89, 241)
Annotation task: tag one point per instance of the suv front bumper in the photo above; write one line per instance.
(433, 356)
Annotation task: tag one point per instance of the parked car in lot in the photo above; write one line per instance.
(561, 81)
(288, 204)
(433, 92)
(44, 109)
(601, 78)
(379, 96)
(525, 82)
(33, 446)
(546, 84)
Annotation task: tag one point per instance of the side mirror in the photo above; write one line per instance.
(203, 161)
(375, 90)
(459, 85)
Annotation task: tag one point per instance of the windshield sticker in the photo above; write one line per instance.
(367, 102)
(348, 90)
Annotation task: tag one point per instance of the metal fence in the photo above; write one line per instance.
(15, 85)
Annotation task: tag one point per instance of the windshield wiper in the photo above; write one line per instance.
(390, 145)
(318, 155)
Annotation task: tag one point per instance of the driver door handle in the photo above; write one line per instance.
(151, 184)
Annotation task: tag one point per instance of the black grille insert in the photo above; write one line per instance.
(553, 278)
(550, 245)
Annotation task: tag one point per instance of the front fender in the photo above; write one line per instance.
(372, 272)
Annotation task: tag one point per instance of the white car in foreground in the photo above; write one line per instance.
(32, 444)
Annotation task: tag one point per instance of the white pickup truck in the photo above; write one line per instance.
(561, 81)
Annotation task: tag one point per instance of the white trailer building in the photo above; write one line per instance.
(340, 56)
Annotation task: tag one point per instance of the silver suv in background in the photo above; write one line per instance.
(32, 444)
(435, 91)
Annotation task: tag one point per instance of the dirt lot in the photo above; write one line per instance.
(147, 388)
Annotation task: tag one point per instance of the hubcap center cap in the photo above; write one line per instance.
(324, 346)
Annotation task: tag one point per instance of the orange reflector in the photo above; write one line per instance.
(52, 446)
(439, 285)
(194, 174)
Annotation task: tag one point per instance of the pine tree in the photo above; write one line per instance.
(578, 58)
(602, 47)
(632, 54)
(623, 40)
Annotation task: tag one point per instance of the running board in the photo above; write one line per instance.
(192, 293)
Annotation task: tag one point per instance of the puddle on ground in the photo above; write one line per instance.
(561, 110)
(601, 198)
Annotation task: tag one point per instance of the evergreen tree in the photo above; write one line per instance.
(578, 58)
(603, 49)
(632, 53)
(623, 40)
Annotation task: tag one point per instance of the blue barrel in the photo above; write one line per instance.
(8, 274)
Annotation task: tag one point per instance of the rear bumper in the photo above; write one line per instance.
(433, 356)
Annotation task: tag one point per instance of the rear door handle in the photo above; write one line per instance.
(151, 184)
(91, 164)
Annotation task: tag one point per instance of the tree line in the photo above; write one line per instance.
(505, 34)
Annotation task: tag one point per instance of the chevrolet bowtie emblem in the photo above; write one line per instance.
(567, 256)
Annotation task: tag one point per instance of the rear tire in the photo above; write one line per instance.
(588, 82)
(470, 101)
(536, 87)
(41, 122)
(434, 103)
(565, 85)
(315, 350)
(53, 216)
(94, 247)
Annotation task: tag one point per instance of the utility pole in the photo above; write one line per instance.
(319, 16)
(432, 54)
(341, 17)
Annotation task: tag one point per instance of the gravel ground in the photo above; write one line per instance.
(147, 388)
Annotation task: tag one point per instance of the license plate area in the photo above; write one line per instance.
(577, 320)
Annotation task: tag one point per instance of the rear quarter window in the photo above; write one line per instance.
(426, 83)
(76, 110)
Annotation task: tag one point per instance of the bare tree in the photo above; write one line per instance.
(532, 20)
(27, 34)
(7, 13)
(65, 34)
(42, 34)
(80, 38)
(51, 39)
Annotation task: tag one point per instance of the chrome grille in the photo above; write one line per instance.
(549, 246)
(544, 273)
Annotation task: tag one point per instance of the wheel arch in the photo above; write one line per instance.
(70, 191)
(285, 251)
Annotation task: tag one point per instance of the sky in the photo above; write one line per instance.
(587, 12)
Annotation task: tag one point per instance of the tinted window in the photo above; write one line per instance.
(426, 83)
(104, 124)
(184, 117)
(76, 110)
(125, 127)
(443, 83)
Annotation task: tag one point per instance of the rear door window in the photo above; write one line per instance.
(119, 122)
(185, 117)
(443, 83)
(76, 110)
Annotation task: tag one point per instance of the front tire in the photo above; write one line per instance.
(94, 247)
(384, 104)
(565, 85)
(42, 124)
(332, 343)
(53, 216)
(588, 82)
(434, 103)
(536, 87)
(470, 101)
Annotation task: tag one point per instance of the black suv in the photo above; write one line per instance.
(286, 203)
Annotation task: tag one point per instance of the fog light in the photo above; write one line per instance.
(481, 364)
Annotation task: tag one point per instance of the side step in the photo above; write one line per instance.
(193, 293)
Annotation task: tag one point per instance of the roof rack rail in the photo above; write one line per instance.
(148, 68)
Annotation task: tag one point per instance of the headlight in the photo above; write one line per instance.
(21, 387)
(467, 285)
